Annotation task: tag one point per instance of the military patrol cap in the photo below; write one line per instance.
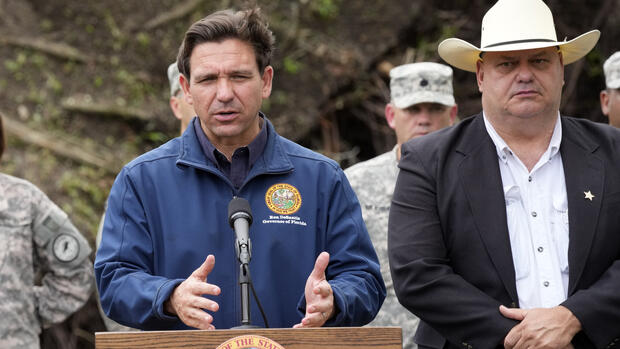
(424, 82)
(173, 78)
(612, 71)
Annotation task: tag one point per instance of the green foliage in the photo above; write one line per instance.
(87, 193)
(11, 65)
(266, 106)
(16, 65)
(156, 137)
(325, 9)
(36, 95)
(38, 60)
(111, 24)
(119, 38)
(448, 31)
(594, 66)
(98, 81)
(69, 67)
(144, 40)
(53, 83)
(291, 65)
(279, 97)
(47, 25)
(137, 90)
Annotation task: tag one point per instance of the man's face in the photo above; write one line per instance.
(521, 84)
(610, 104)
(419, 119)
(226, 90)
(182, 110)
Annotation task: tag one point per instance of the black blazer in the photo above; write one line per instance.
(448, 240)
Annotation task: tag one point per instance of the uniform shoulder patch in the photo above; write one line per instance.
(51, 223)
(66, 248)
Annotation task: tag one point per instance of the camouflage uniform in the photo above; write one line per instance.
(37, 239)
(373, 182)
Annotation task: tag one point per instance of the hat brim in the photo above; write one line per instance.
(463, 55)
(424, 97)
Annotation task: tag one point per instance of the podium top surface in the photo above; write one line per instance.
(324, 338)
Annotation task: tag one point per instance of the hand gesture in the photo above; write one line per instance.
(319, 295)
(187, 301)
(541, 328)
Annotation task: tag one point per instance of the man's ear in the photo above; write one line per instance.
(174, 105)
(389, 115)
(479, 75)
(267, 81)
(605, 103)
(185, 86)
(454, 110)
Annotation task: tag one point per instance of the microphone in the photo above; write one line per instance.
(240, 219)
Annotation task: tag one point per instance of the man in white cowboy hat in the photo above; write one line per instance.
(421, 102)
(610, 97)
(504, 229)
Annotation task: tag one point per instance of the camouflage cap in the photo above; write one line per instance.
(173, 79)
(612, 71)
(424, 82)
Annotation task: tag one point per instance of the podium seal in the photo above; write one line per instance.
(250, 342)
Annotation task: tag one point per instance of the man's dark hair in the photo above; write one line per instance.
(246, 25)
(1, 137)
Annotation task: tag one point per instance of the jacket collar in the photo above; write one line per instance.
(274, 158)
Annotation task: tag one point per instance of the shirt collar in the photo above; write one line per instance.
(503, 150)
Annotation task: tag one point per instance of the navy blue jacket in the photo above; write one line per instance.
(168, 210)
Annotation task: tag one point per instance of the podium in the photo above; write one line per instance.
(288, 338)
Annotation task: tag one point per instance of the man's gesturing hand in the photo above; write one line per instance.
(187, 301)
(541, 327)
(319, 295)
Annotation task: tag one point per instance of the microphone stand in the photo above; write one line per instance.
(243, 254)
(240, 219)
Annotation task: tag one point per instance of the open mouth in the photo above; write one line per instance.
(225, 115)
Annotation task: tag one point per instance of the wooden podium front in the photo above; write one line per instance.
(289, 338)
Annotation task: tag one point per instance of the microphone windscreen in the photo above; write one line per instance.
(239, 205)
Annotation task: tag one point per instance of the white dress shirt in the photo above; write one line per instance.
(537, 213)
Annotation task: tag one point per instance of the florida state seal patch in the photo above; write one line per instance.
(283, 198)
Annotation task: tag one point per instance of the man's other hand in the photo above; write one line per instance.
(319, 295)
(541, 327)
(187, 301)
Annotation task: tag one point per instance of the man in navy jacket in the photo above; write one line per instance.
(312, 261)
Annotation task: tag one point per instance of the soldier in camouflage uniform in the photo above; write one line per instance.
(37, 239)
(421, 102)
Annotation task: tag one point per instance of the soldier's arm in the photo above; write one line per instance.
(63, 257)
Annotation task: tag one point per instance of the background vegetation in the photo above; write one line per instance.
(83, 88)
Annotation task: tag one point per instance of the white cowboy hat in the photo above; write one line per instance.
(512, 25)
